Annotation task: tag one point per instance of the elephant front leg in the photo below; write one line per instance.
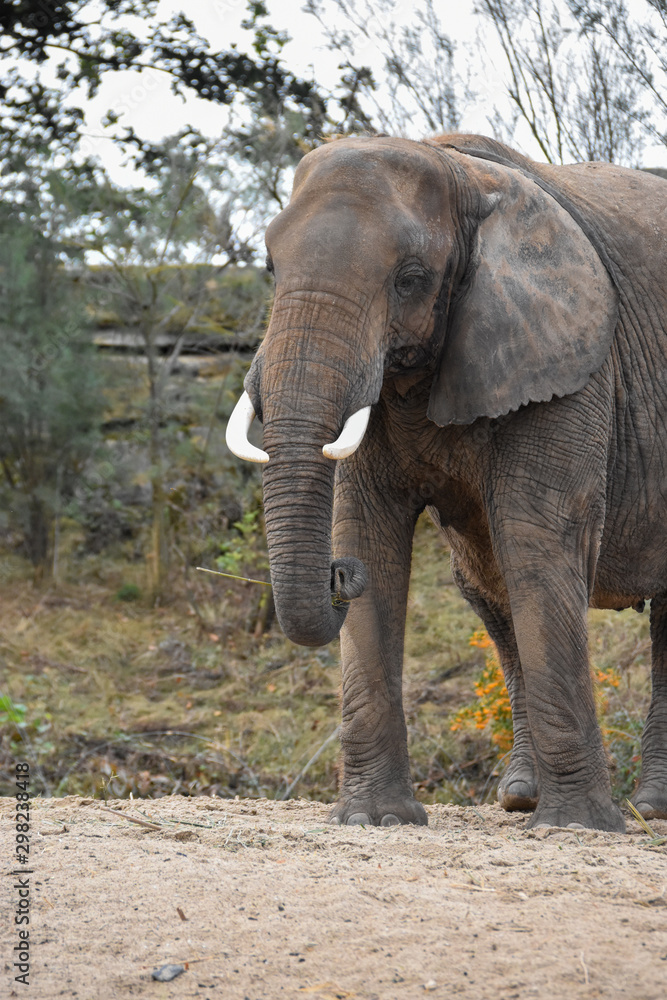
(370, 522)
(650, 799)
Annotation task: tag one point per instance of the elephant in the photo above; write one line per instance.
(460, 329)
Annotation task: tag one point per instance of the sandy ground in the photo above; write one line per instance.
(264, 899)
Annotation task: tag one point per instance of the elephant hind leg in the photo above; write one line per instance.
(650, 798)
(518, 788)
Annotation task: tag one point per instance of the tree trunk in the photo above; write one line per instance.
(157, 557)
(37, 537)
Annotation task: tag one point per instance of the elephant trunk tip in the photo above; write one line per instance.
(308, 626)
(348, 578)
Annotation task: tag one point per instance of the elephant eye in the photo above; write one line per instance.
(412, 278)
(269, 263)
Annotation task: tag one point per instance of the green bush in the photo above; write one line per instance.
(128, 592)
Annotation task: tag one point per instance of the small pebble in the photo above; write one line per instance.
(430, 985)
(166, 973)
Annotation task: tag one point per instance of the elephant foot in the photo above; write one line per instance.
(579, 814)
(518, 789)
(387, 810)
(650, 799)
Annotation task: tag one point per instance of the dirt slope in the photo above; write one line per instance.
(278, 904)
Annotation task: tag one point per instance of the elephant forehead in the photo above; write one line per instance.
(380, 169)
(340, 226)
(355, 211)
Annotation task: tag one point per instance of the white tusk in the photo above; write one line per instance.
(351, 435)
(237, 432)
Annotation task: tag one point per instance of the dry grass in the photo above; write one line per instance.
(121, 698)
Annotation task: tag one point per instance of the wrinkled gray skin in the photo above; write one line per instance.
(506, 320)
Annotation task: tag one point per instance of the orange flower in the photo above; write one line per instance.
(480, 639)
(492, 711)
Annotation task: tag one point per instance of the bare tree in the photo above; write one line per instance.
(637, 34)
(570, 88)
(417, 89)
(164, 247)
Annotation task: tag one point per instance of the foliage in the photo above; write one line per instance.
(25, 736)
(243, 297)
(621, 724)
(270, 135)
(246, 551)
(49, 390)
(166, 245)
(14, 713)
(621, 730)
(588, 80)
(128, 592)
(492, 711)
(128, 35)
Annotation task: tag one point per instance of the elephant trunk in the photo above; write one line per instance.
(305, 404)
(310, 590)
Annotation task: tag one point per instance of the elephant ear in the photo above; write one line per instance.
(538, 311)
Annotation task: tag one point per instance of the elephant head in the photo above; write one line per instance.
(394, 258)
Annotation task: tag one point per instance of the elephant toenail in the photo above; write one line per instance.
(576, 826)
(390, 820)
(335, 820)
(358, 819)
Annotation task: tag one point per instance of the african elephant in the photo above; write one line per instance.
(459, 328)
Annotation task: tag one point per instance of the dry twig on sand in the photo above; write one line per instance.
(132, 819)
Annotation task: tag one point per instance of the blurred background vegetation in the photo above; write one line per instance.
(129, 313)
